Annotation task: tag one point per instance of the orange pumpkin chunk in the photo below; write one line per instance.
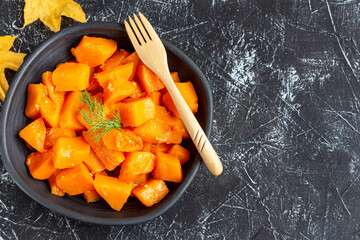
(40, 165)
(136, 163)
(175, 76)
(85, 109)
(55, 188)
(93, 163)
(68, 152)
(114, 192)
(146, 147)
(164, 116)
(34, 134)
(115, 60)
(182, 153)
(50, 112)
(113, 74)
(162, 147)
(132, 58)
(75, 180)
(94, 51)
(151, 192)
(53, 134)
(110, 158)
(167, 167)
(117, 90)
(91, 196)
(35, 95)
(56, 96)
(93, 84)
(71, 76)
(69, 112)
(188, 92)
(136, 112)
(155, 97)
(148, 79)
(140, 179)
(138, 92)
(179, 127)
(122, 140)
(154, 131)
(81, 118)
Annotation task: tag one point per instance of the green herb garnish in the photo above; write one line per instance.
(99, 125)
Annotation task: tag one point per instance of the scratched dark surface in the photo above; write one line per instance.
(285, 81)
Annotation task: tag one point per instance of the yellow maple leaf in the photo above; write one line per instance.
(50, 12)
(9, 60)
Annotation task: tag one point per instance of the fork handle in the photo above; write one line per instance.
(196, 133)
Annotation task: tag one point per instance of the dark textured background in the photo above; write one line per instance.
(285, 81)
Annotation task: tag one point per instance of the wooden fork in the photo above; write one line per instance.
(152, 53)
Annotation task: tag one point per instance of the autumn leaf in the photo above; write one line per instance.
(9, 60)
(50, 12)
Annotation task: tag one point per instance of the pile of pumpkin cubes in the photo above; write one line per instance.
(136, 160)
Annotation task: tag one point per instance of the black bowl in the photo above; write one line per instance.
(56, 50)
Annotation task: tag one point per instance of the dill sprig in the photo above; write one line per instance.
(99, 125)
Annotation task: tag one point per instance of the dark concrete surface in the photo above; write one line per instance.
(285, 81)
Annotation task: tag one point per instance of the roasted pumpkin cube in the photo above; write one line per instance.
(52, 135)
(135, 60)
(148, 79)
(155, 97)
(182, 153)
(123, 140)
(91, 196)
(151, 192)
(71, 77)
(40, 165)
(188, 92)
(136, 163)
(68, 115)
(179, 127)
(34, 134)
(56, 96)
(140, 179)
(85, 110)
(162, 147)
(118, 90)
(75, 180)
(138, 92)
(113, 74)
(114, 192)
(154, 131)
(35, 95)
(69, 152)
(175, 76)
(146, 147)
(164, 116)
(50, 112)
(110, 158)
(93, 163)
(55, 188)
(136, 112)
(80, 117)
(94, 51)
(93, 84)
(167, 167)
(115, 60)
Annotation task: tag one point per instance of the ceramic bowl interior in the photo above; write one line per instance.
(56, 50)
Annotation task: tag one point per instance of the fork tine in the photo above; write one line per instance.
(148, 27)
(141, 28)
(131, 35)
(136, 31)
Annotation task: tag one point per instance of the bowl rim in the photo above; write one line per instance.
(60, 209)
